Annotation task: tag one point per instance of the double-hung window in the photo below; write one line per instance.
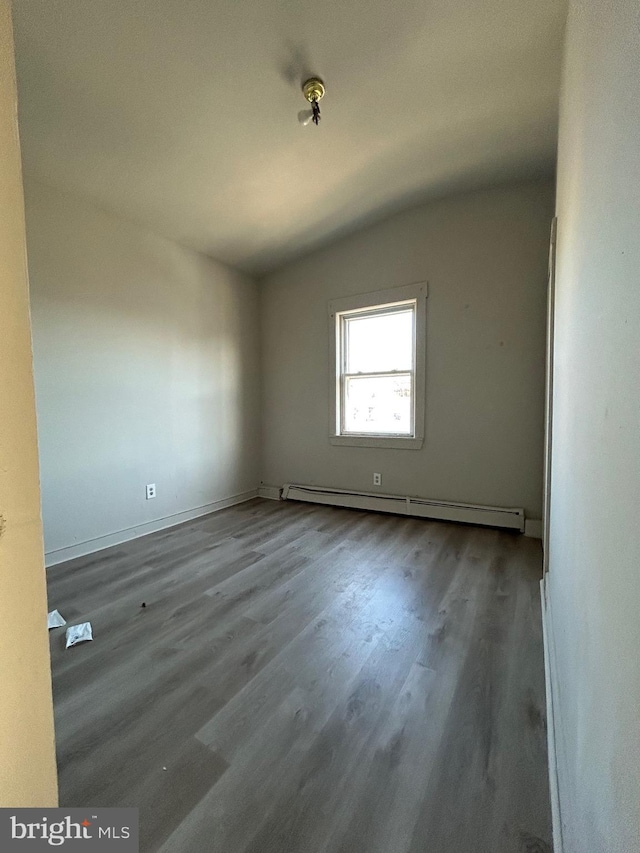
(378, 358)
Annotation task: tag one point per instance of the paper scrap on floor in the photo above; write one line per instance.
(79, 634)
(55, 620)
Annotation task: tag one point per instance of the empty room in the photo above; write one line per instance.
(320, 426)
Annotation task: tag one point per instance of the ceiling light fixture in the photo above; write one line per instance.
(313, 90)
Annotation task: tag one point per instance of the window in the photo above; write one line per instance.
(378, 349)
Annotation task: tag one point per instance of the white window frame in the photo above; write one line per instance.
(378, 301)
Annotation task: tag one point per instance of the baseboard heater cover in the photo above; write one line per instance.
(493, 516)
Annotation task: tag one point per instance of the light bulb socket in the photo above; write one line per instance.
(313, 89)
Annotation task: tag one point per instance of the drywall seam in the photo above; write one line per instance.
(90, 546)
(552, 719)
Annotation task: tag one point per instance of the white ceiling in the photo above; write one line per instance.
(182, 114)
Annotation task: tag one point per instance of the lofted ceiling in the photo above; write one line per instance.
(182, 114)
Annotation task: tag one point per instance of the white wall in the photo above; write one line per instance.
(594, 581)
(27, 751)
(485, 257)
(146, 372)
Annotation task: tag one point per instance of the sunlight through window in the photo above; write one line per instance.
(377, 358)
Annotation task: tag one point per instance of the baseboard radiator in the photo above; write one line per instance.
(493, 516)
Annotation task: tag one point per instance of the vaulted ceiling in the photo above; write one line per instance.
(182, 114)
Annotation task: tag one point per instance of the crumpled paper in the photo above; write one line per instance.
(79, 634)
(55, 620)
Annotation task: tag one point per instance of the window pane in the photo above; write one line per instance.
(380, 342)
(378, 404)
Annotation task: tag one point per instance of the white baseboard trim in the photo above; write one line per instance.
(272, 493)
(90, 546)
(552, 718)
(533, 528)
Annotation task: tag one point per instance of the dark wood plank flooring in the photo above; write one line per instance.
(307, 679)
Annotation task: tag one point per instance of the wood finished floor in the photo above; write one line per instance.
(314, 680)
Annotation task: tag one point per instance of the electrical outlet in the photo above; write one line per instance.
(377, 479)
(151, 491)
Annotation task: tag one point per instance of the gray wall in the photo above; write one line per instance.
(485, 257)
(146, 372)
(594, 580)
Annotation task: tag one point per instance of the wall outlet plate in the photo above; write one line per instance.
(151, 491)
(377, 479)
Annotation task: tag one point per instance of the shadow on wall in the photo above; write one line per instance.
(146, 371)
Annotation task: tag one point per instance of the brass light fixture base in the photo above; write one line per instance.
(313, 89)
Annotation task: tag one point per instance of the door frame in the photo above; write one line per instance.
(548, 397)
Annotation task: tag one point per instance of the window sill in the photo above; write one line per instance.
(396, 441)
